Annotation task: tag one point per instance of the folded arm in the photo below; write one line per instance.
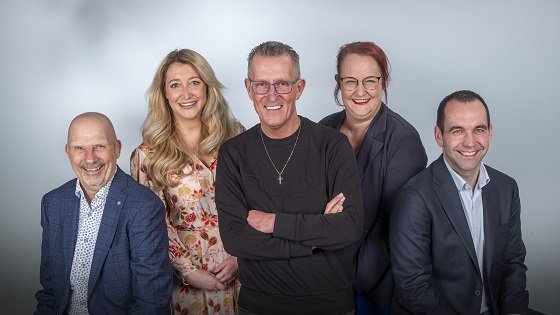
(334, 230)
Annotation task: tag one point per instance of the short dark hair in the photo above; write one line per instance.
(463, 96)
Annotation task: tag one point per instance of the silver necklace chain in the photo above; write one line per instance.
(289, 157)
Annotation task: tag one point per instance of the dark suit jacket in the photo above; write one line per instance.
(130, 272)
(391, 153)
(434, 260)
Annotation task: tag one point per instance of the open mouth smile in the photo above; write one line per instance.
(360, 101)
(273, 107)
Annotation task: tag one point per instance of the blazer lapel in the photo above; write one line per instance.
(70, 231)
(108, 227)
(447, 193)
(372, 144)
(491, 215)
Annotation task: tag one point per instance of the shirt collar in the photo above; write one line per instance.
(461, 184)
(102, 193)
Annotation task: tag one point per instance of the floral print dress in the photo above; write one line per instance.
(194, 238)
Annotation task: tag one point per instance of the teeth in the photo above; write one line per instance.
(92, 169)
(360, 101)
(187, 104)
(468, 153)
(273, 107)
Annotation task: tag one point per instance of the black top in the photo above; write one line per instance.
(305, 266)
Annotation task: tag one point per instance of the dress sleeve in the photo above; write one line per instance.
(182, 265)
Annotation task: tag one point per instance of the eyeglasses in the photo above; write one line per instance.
(350, 83)
(282, 87)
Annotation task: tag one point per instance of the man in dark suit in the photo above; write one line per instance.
(104, 248)
(455, 235)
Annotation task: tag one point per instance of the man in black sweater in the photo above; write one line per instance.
(289, 199)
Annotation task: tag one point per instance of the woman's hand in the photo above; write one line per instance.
(205, 280)
(227, 271)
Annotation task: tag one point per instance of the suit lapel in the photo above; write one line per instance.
(491, 221)
(372, 144)
(70, 231)
(447, 193)
(108, 227)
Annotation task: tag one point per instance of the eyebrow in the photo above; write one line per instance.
(484, 126)
(191, 78)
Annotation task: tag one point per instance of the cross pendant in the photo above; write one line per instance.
(279, 179)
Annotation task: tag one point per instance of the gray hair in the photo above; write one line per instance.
(273, 49)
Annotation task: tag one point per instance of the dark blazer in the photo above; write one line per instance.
(391, 153)
(130, 272)
(434, 260)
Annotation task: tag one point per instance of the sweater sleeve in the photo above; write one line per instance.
(330, 231)
(239, 238)
(177, 249)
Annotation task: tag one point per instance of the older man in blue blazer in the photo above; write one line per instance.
(456, 245)
(104, 248)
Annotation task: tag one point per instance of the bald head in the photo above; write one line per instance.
(93, 150)
(96, 118)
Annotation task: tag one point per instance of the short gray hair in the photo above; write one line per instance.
(274, 49)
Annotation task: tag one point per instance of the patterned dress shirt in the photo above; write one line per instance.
(88, 227)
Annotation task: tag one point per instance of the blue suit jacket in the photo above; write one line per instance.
(130, 272)
(433, 256)
(391, 153)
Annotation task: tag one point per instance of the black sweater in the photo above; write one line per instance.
(305, 266)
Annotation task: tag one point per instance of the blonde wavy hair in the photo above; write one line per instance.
(168, 154)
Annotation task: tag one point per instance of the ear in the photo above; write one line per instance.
(336, 78)
(300, 85)
(67, 149)
(118, 146)
(439, 136)
(491, 130)
(248, 88)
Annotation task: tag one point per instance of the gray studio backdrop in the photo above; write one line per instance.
(63, 57)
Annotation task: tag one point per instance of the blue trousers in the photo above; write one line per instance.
(365, 306)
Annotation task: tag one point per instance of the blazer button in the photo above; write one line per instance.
(477, 292)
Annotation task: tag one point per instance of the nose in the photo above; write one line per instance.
(90, 155)
(360, 89)
(468, 139)
(271, 94)
(185, 91)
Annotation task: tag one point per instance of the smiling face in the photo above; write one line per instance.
(277, 112)
(465, 137)
(185, 91)
(93, 150)
(360, 104)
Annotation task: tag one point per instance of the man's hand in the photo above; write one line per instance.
(335, 205)
(261, 221)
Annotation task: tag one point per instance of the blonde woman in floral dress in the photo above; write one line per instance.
(188, 120)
